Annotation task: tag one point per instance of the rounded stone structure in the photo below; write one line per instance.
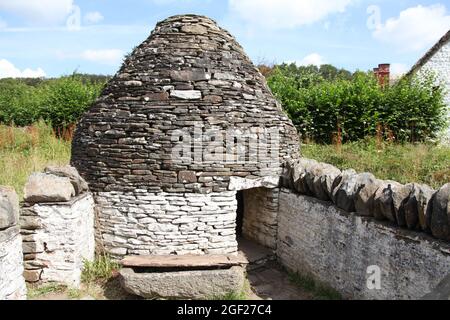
(187, 112)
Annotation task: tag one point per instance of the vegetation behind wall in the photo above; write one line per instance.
(329, 104)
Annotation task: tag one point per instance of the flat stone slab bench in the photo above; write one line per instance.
(183, 277)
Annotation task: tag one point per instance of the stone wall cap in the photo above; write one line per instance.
(184, 261)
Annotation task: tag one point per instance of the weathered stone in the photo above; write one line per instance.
(195, 29)
(9, 207)
(213, 99)
(42, 187)
(186, 94)
(416, 206)
(345, 190)
(299, 171)
(365, 197)
(319, 179)
(189, 75)
(314, 235)
(401, 197)
(32, 275)
(388, 199)
(202, 284)
(187, 177)
(184, 261)
(58, 238)
(440, 224)
(79, 184)
(237, 183)
(12, 283)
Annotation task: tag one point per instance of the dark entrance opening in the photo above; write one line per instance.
(240, 213)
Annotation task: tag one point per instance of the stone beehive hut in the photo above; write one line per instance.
(186, 114)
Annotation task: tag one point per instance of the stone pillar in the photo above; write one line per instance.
(12, 283)
(57, 225)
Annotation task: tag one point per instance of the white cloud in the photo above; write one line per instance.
(415, 29)
(311, 59)
(8, 70)
(41, 12)
(93, 17)
(3, 24)
(282, 14)
(399, 69)
(105, 56)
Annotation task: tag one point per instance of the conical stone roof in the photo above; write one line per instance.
(188, 79)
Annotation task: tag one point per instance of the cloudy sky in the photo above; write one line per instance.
(57, 37)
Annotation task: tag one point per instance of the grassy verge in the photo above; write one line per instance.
(243, 294)
(100, 270)
(405, 163)
(27, 150)
(318, 290)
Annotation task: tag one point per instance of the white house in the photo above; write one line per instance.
(437, 60)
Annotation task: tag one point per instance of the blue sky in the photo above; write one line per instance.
(56, 37)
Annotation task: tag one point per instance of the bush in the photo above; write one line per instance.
(356, 107)
(66, 99)
(60, 102)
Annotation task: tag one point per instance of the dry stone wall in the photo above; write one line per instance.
(411, 206)
(339, 248)
(335, 225)
(57, 226)
(142, 223)
(260, 216)
(12, 283)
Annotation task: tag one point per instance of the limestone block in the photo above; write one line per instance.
(195, 285)
(9, 208)
(43, 187)
(440, 224)
(70, 172)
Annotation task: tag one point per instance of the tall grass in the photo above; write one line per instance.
(29, 149)
(405, 163)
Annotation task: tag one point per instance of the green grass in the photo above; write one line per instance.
(100, 270)
(405, 163)
(38, 291)
(318, 290)
(235, 295)
(27, 150)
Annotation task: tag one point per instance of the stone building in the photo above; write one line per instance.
(186, 124)
(437, 60)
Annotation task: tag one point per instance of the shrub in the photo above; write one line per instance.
(66, 99)
(60, 102)
(356, 107)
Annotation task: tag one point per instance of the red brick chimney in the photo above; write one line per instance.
(383, 74)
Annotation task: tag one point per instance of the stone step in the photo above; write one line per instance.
(184, 261)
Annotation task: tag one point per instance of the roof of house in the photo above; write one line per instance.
(430, 53)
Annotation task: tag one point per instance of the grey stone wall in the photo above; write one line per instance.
(57, 226)
(142, 223)
(411, 206)
(12, 283)
(260, 216)
(337, 247)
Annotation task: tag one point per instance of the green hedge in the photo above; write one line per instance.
(60, 102)
(356, 107)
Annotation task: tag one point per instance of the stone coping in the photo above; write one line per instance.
(184, 261)
(72, 200)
